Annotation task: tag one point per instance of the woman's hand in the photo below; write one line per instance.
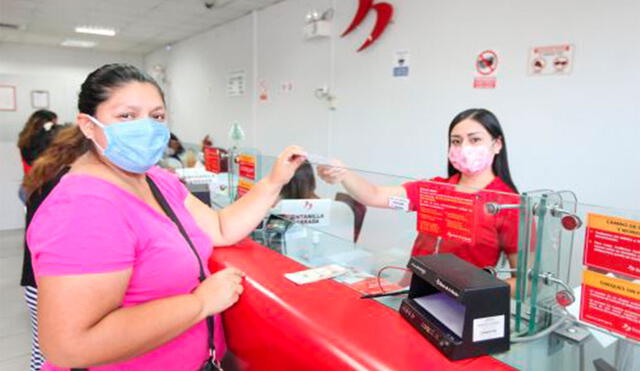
(286, 165)
(333, 173)
(220, 291)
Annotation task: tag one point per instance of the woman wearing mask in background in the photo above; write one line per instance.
(477, 161)
(35, 137)
(123, 283)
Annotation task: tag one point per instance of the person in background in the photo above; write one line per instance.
(477, 162)
(174, 154)
(207, 142)
(35, 137)
(120, 247)
(175, 148)
(302, 185)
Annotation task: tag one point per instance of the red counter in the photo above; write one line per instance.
(278, 325)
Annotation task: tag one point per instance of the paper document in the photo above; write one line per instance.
(316, 274)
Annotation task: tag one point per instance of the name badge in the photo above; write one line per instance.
(398, 203)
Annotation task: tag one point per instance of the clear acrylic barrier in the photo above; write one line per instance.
(546, 335)
(554, 300)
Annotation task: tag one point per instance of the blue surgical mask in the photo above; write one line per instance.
(134, 146)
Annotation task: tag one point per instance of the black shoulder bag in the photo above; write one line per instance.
(211, 364)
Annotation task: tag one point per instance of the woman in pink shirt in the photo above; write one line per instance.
(120, 287)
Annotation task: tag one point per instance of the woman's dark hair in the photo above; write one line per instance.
(71, 142)
(302, 185)
(490, 122)
(34, 126)
(98, 86)
(180, 149)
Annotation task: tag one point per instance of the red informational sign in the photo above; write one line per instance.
(486, 66)
(212, 160)
(551, 60)
(447, 213)
(247, 166)
(484, 82)
(244, 186)
(611, 303)
(613, 244)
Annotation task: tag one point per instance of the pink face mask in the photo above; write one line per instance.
(471, 160)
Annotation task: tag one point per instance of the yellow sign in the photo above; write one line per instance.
(614, 224)
(614, 285)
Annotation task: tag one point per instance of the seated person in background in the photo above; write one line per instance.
(206, 142)
(175, 155)
(172, 154)
(302, 185)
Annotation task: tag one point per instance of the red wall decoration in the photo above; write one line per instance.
(384, 12)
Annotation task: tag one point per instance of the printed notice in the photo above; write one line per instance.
(447, 213)
(316, 212)
(247, 166)
(244, 186)
(236, 84)
(488, 328)
(613, 244)
(611, 303)
(212, 160)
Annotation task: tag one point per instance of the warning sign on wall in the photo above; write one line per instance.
(486, 64)
(551, 60)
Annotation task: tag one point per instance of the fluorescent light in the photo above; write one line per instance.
(78, 43)
(96, 30)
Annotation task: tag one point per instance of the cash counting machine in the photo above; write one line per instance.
(461, 309)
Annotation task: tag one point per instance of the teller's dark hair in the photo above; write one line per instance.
(490, 122)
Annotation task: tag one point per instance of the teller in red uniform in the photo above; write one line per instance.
(477, 164)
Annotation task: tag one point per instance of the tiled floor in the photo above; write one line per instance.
(15, 335)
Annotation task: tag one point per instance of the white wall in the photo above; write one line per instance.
(60, 72)
(57, 70)
(576, 131)
(197, 70)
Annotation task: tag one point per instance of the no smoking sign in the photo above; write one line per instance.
(486, 65)
(487, 62)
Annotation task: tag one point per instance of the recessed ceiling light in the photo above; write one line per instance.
(78, 43)
(96, 30)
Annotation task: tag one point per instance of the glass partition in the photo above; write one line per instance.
(566, 329)
(542, 238)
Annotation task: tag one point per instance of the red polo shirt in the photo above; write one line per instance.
(494, 233)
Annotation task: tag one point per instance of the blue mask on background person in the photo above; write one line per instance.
(134, 146)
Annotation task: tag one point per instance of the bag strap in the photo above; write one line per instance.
(211, 363)
(202, 276)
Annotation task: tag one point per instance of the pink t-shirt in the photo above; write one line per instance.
(88, 225)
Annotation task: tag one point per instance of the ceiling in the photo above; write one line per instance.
(141, 25)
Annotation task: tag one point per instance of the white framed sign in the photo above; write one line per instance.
(39, 99)
(7, 98)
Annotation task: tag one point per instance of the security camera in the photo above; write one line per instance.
(209, 4)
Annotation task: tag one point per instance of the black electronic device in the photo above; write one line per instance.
(461, 309)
